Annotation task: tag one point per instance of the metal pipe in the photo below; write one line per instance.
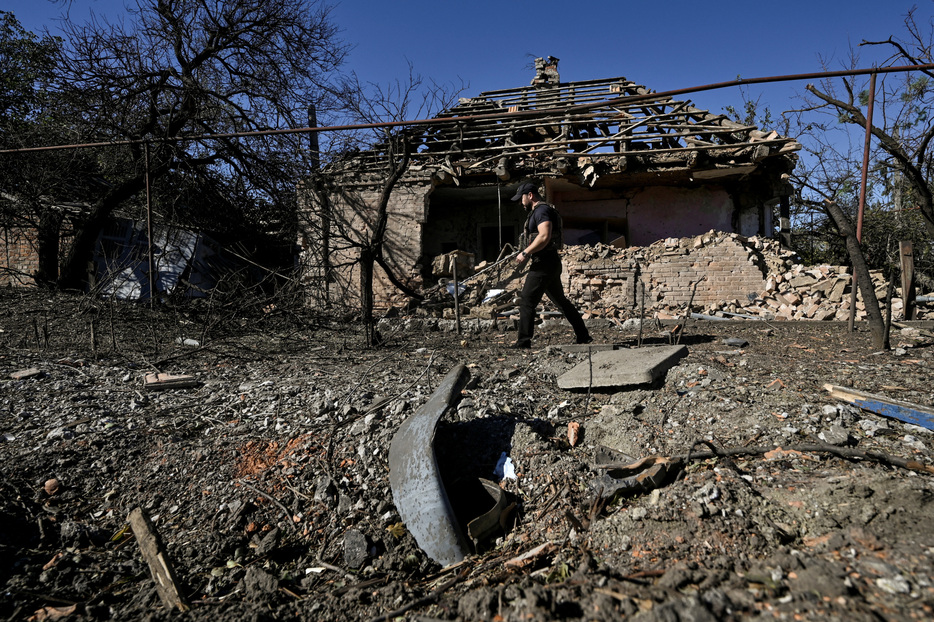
(149, 253)
(865, 173)
(544, 112)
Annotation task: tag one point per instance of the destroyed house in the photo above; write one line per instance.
(622, 165)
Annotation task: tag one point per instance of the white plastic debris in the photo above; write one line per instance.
(504, 468)
(490, 295)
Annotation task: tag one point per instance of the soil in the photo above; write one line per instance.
(268, 485)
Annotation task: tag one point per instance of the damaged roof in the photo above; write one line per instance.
(593, 130)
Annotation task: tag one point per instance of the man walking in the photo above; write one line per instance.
(543, 230)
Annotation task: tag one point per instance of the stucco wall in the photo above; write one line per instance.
(646, 215)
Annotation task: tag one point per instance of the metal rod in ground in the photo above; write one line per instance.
(641, 287)
(687, 313)
(457, 304)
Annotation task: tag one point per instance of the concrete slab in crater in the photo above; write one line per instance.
(623, 368)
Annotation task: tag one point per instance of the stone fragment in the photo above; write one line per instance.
(625, 367)
(836, 435)
(356, 549)
(258, 584)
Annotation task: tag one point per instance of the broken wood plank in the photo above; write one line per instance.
(158, 382)
(530, 556)
(906, 252)
(156, 556)
(881, 405)
(26, 373)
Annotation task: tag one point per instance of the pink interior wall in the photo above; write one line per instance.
(659, 212)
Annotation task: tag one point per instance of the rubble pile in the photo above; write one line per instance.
(720, 275)
(764, 281)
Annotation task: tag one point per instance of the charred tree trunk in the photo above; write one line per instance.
(75, 271)
(366, 295)
(861, 270)
(398, 155)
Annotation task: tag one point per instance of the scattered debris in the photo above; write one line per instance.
(641, 476)
(530, 556)
(504, 468)
(157, 557)
(26, 373)
(896, 409)
(766, 520)
(491, 521)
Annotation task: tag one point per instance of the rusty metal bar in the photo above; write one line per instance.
(149, 252)
(865, 172)
(545, 112)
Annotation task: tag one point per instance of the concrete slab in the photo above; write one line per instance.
(623, 368)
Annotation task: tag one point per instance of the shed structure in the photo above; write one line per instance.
(622, 165)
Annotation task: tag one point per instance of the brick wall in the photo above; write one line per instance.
(731, 268)
(353, 211)
(19, 260)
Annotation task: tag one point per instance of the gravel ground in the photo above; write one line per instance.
(268, 482)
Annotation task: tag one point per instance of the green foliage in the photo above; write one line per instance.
(26, 65)
(917, 89)
(753, 112)
(32, 112)
(816, 240)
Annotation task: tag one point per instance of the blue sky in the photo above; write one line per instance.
(663, 45)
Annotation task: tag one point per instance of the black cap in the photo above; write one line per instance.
(524, 188)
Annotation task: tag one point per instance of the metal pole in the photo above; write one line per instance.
(543, 113)
(862, 183)
(862, 192)
(499, 210)
(457, 302)
(152, 261)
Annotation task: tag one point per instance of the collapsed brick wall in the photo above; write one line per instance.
(746, 277)
(719, 266)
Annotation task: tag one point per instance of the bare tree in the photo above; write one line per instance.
(36, 187)
(848, 231)
(354, 223)
(902, 124)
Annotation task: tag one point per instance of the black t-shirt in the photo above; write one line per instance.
(543, 212)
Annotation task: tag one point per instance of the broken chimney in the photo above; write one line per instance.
(546, 72)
